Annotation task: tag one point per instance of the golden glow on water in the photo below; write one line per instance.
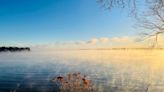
(154, 59)
(117, 70)
(131, 67)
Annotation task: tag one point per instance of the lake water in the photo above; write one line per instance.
(109, 70)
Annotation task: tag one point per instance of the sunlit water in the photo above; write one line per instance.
(109, 70)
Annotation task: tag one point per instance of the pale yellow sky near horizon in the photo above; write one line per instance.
(104, 42)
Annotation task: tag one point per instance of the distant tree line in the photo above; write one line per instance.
(14, 49)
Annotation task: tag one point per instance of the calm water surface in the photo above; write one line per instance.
(109, 70)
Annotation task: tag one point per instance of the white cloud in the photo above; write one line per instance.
(104, 40)
(93, 41)
(68, 43)
(80, 42)
(122, 39)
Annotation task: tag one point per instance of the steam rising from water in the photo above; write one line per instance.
(114, 70)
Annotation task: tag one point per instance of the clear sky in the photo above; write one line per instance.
(49, 21)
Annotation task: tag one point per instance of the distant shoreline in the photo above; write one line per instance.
(14, 49)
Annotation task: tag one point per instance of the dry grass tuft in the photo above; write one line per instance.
(73, 82)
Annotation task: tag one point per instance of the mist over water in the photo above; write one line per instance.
(109, 70)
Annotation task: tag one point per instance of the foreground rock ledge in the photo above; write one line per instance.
(14, 49)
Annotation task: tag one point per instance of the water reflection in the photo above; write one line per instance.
(109, 70)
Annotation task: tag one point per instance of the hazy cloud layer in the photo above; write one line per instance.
(92, 43)
(106, 40)
(122, 39)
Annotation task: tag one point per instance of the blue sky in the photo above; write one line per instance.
(47, 21)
